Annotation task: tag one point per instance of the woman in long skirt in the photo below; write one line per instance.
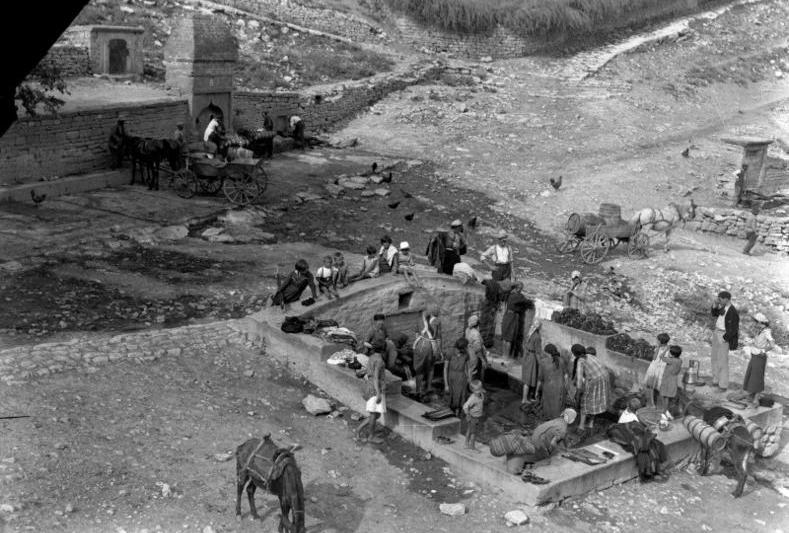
(456, 376)
(553, 376)
(530, 366)
(654, 373)
(513, 323)
(753, 383)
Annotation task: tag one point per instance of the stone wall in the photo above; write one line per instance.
(325, 20)
(76, 142)
(773, 231)
(324, 108)
(503, 43)
(22, 363)
(73, 61)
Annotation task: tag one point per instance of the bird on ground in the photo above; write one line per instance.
(409, 217)
(406, 194)
(37, 198)
(686, 152)
(375, 167)
(393, 205)
(472, 223)
(555, 183)
(387, 179)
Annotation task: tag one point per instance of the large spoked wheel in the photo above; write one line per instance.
(638, 245)
(242, 190)
(210, 185)
(185, 183)
(260, 177)
(595, 247)
(568, 245)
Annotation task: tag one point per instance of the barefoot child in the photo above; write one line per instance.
(327, 278)
(474, 409)
(405, 264)
(376, 402)
(342, 269)
(369, 265)
(668, 385)
(654, 373)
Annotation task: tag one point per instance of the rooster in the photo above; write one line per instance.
(686, 152)
(375, 167)
(37, 198)
(555, 183)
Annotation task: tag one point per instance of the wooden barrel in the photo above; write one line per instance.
(610, 211)
(578, 222)
(754, 429)
(704, 433)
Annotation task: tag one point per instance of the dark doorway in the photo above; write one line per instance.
(119, 55)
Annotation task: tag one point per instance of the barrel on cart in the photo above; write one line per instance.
(594, 234)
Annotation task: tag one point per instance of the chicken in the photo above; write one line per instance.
(375, 167)
(686, 152)
(555, 183)
(37, 198)
(393, 205)
(472, 223)
(409, 217)
(387, 179)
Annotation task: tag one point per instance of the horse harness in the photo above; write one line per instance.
(277, 465)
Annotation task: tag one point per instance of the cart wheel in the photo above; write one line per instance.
(638, 245)
(185, 183)
(568, 245)
(260, 177)
(595, 247)
(210, 185)
(241, 190)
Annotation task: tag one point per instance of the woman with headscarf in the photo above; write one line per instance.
(457, 373)
(530, 366)
(592, 380)
(542, 443)
(763, 342)
(427, 350)
(513, 323)
(553, 377)
(477, 353)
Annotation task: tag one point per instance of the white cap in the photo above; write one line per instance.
(760, 317)
(404, 245)
(575, 274)
(456, 222)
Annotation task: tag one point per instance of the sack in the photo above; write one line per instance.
(510, 443)
(292, 324)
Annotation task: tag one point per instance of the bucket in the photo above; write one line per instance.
(704, 433)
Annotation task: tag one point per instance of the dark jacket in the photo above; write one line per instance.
(732, 324)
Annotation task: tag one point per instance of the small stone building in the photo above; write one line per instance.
(200, 58)
(114, 50)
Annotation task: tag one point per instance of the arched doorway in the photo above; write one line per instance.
(201, 122)
(119, 56)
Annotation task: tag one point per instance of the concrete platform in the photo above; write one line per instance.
(306, 354)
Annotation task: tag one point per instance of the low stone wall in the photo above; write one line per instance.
(73, 61)
(773, 231)
(324, 108)
(503, 43)
(325, 20)
(76, 142)
(21, 363)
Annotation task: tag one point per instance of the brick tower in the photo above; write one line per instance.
(199, 58)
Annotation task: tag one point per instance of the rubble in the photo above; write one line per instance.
(516, 518)
(316, 406)
(452, 509)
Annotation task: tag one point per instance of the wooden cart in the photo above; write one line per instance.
(593, 236)
(243, 181)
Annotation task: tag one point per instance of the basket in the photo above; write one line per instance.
(649, 416)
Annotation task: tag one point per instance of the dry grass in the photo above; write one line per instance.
(525, 17)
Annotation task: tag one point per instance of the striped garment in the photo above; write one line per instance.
(597, 387)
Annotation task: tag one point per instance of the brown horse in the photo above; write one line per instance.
(280, 475)
(666, 219)
(147, 153)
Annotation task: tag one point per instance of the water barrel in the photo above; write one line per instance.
(704, 433)
(754, 429)
(611, 213)
(578, 223)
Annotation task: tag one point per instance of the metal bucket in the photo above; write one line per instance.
(704, 433)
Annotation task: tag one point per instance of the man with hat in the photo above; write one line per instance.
(575, 298)
(455, 247)
(117, 144)
(763, 342)
(725, 337)
(501, 255)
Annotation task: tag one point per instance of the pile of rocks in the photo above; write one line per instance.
(773, 231)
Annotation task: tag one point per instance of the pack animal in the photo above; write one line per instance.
(280, 475)
(739, 442)
(664, 220)
(146, 153)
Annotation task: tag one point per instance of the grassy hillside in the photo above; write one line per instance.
(524, 17)
(269, 56)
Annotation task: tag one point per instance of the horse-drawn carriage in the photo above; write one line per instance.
(242, 180)
(594, 235)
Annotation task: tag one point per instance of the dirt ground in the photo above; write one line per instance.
(97, 444)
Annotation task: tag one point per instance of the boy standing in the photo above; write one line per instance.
(474, 408)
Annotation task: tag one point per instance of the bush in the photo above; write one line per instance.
(592, 322)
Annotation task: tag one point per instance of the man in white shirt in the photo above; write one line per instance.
(725, 337)
(501, 255)
(211, 129)
(297, 125)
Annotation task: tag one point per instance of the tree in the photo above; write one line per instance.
(39, 89)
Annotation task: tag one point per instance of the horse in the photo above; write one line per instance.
(666, 219)
(148, 154)
(280, 475)
(739, 442)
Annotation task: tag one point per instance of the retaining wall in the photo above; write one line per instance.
(773, 232)
(76, 142)
(73, 61)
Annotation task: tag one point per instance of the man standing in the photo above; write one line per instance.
(297, 125)
(455, 247)
(501, 255)
(117, 144)
(725, 336)
(575, 298)
(268, 136)
(211, 131)
(750, 231)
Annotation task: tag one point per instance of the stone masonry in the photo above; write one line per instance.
(21, 363)
(73, 61)
(773, 231)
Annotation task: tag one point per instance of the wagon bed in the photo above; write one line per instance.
(594, 235)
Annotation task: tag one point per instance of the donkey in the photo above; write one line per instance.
(666, 219)
(739, 441)
(280, 475)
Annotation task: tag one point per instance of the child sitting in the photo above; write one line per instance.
(474, 408)
(342, 269)
(327, 278)
(405, 264)
(629, 414)
(369, 265)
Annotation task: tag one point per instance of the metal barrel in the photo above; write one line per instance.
(755, 430)
(704, 433)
